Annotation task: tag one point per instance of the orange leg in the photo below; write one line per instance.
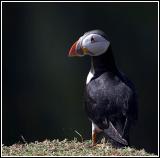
(94, 138)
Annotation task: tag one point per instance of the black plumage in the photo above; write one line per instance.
(110, 96)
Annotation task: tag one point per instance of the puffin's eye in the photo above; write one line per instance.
(92, 40)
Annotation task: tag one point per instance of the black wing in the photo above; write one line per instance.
(111, 97)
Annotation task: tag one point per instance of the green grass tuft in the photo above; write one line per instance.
(69, 148)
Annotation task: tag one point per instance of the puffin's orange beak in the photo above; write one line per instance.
(73, 51)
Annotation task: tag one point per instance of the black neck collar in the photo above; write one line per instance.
(103, 63)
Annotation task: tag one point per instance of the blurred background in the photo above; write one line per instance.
(43, 88)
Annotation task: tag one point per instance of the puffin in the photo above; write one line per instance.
(110, 97)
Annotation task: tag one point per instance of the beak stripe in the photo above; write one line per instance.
(72, 51)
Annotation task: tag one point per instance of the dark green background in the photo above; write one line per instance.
(43, 88)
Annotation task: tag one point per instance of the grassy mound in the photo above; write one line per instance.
(69, 148)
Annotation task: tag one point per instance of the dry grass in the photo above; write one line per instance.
(69, 148)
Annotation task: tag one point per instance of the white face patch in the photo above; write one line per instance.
(89, 77)
(96, 44)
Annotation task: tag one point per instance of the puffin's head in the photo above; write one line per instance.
(93, 43)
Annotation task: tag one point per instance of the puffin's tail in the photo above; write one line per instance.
(112, 133)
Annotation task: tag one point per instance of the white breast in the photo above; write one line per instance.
(89, 77)
(96, 128)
